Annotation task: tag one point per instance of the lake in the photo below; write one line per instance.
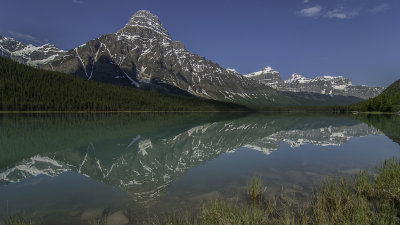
(72, 168)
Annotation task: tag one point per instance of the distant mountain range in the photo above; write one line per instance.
(29, 54)
(328, 85)
(142, 54)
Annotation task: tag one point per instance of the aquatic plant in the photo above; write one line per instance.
(12, 220)
(98, 221)
(256, 189)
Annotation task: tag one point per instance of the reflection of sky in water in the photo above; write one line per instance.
(185, 165)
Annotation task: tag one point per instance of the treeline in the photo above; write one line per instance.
(388, 101)
(24, 88)
(332, 108)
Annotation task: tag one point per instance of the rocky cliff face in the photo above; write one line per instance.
(269, 77)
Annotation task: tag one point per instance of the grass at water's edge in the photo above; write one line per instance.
(371, 197)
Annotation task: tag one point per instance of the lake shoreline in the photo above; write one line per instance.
(219, 111)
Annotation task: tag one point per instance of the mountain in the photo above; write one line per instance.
(142, 54)
(316, 99)
(332, 85)
(387, 101)
(29, 54)
(393, 88)
(24, 88)
(269, 77)
(327, 85)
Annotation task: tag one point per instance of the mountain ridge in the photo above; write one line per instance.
(328, 85)
(28, 53)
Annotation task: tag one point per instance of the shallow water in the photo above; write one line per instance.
(71, 168)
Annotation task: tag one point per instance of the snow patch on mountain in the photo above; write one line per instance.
(266, 70)
(297, 78)
(232, 70)
(144, 19)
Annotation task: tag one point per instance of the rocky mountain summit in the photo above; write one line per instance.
(269, 77)
(327, 85)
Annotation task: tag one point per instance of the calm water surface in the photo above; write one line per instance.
(71, 168)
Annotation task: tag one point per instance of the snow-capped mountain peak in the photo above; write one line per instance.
(267, 76)
(265, 70)
(269, 69)
(330, 85)
(297, 78)
(146, 15)
(333, 80)
(144, 19)
(232, 70)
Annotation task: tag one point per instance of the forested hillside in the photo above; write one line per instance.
(387, 101)
(25, 88)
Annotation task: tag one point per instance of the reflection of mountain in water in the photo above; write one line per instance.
(144, 164)
(324, 136)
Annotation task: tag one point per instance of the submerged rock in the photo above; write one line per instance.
(117, 218)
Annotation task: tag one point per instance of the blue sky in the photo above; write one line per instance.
(359, 39)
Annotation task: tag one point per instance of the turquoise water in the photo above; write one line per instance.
(71, 168)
